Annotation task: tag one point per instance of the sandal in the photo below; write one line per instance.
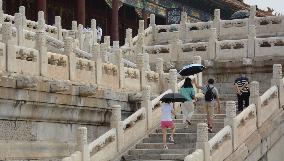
(210, 129)
(188, 122)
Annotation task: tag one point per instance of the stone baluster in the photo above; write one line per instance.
(197, 60)
(140, 66)
(68, 50)
(59, 27)
(7, 40)
(119, 63)
(116, 122)
(74, 26)
(278, 81)
(212, 44)
(20, 31)
(160, 70)
(82, 143)
(229, 119)
(107, 42)
(252, 14)
(103, 51)
(40, 21)
(146, 61)
(175, 48)
(182, 26)
(173, 80)
(146, 102)
(128, 39)
(202, 140)
(251, 41)
(115, 45)
(94, 31)
(153, 25)
(1, 12)
(41, 47)
(217, 21)
(141, 28)
(87, 42)
(255, 99)
(97, 58)
(80, 36)
(152, 20)
(22, 10)
(160, 65)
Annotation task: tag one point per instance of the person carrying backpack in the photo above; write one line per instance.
(211, 96)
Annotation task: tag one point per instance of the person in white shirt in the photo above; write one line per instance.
(99, 34)
(167, 122)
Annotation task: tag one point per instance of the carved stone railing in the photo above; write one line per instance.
(231, 50)
(267, 48)
(234, 29)
(269, 26)
(199, 31)
(130, 121)
(221, 144)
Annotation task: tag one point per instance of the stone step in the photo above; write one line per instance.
(180, 138)
(159, 151)
(194, 124)
(199, 120)
(187, 130)
(160, 145)
(149, 157)
(203, 116)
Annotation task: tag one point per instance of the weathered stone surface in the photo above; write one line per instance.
(25, 82)
(87, 90)
(59, 86)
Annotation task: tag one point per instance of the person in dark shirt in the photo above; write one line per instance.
(242, 89)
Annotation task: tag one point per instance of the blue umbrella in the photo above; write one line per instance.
(191, 69)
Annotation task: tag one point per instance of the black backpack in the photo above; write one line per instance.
(209, 95)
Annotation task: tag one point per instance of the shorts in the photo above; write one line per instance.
(209, 108)
(167, 124)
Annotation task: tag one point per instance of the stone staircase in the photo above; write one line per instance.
(151, 147)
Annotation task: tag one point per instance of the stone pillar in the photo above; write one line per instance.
(88, 42)
(251, 42)
(212, 44)
(22, 10)
(80, 36)
(140, 66)
(20, 31)
(81, 8)
(94, 31)
(197, 60)
(41, 6)
(255, 99)
(68, 50)
(114, 21)
(182, 26)
(74, 25)
(128, 38)
(59, 27)
(229, 119)
(115, 122)
(146, 102)
(202, 140)
(73, 32)
(173, 80)
(252, 14)
(103, 51)
(97, 58)
(82, 143)
(217, 21)
(1, 12)
(7, 33)
(41, 47)
(40, 21)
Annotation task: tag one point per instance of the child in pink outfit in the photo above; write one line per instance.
(167, 122)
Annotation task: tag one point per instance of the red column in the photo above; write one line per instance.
(145, 18)
(41, 6)
(114, 21)
(81, 11)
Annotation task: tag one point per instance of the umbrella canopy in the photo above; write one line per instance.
(191, 69)
(173, 97)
